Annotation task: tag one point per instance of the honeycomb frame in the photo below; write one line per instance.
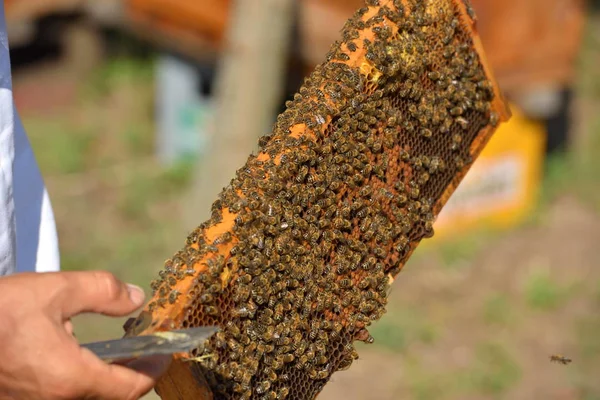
(297, 258)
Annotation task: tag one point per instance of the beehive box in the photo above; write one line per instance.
(297, 258)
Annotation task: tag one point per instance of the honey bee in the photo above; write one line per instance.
(344, 364)
(214, 288)
(302, 362)
(322, 374)
(299, 347)
(245, 340)
(233, 329)
(268, 333)
(251, 364)
(249, 349)
(241, 312)
(560, 359)
(262, 387)
(283, 393)
(494, 119)
(225, 371)
(206, 298)
(213, 311)
(152, 306)
(220, 340)
(161, 302)
(224, 238)
(162, 292)
(155, 284)
(173, 296)
(272, 395)
(345, 283)
(241, 388)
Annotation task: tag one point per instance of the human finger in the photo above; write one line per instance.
(99, 292)
(152, 366)
(111, 381)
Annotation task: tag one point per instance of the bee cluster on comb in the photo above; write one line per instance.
(296, 260)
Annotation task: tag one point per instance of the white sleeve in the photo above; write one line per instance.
(37, 243)
(8, 250)
(25, 213)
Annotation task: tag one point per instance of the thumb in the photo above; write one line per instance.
(98, 292)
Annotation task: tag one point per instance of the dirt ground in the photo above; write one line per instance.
(474, 318)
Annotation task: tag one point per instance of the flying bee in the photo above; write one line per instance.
(560, 359)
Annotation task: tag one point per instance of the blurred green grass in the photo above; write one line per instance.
(403, 328)
(542, 292)
(493, 372)
(497, 310)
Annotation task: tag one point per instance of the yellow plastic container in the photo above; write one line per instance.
(501, 187)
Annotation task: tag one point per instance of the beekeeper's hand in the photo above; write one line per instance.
(40, 357)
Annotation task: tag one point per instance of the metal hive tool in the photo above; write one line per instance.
(301, 248)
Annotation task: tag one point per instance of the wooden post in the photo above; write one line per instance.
(247, 94)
